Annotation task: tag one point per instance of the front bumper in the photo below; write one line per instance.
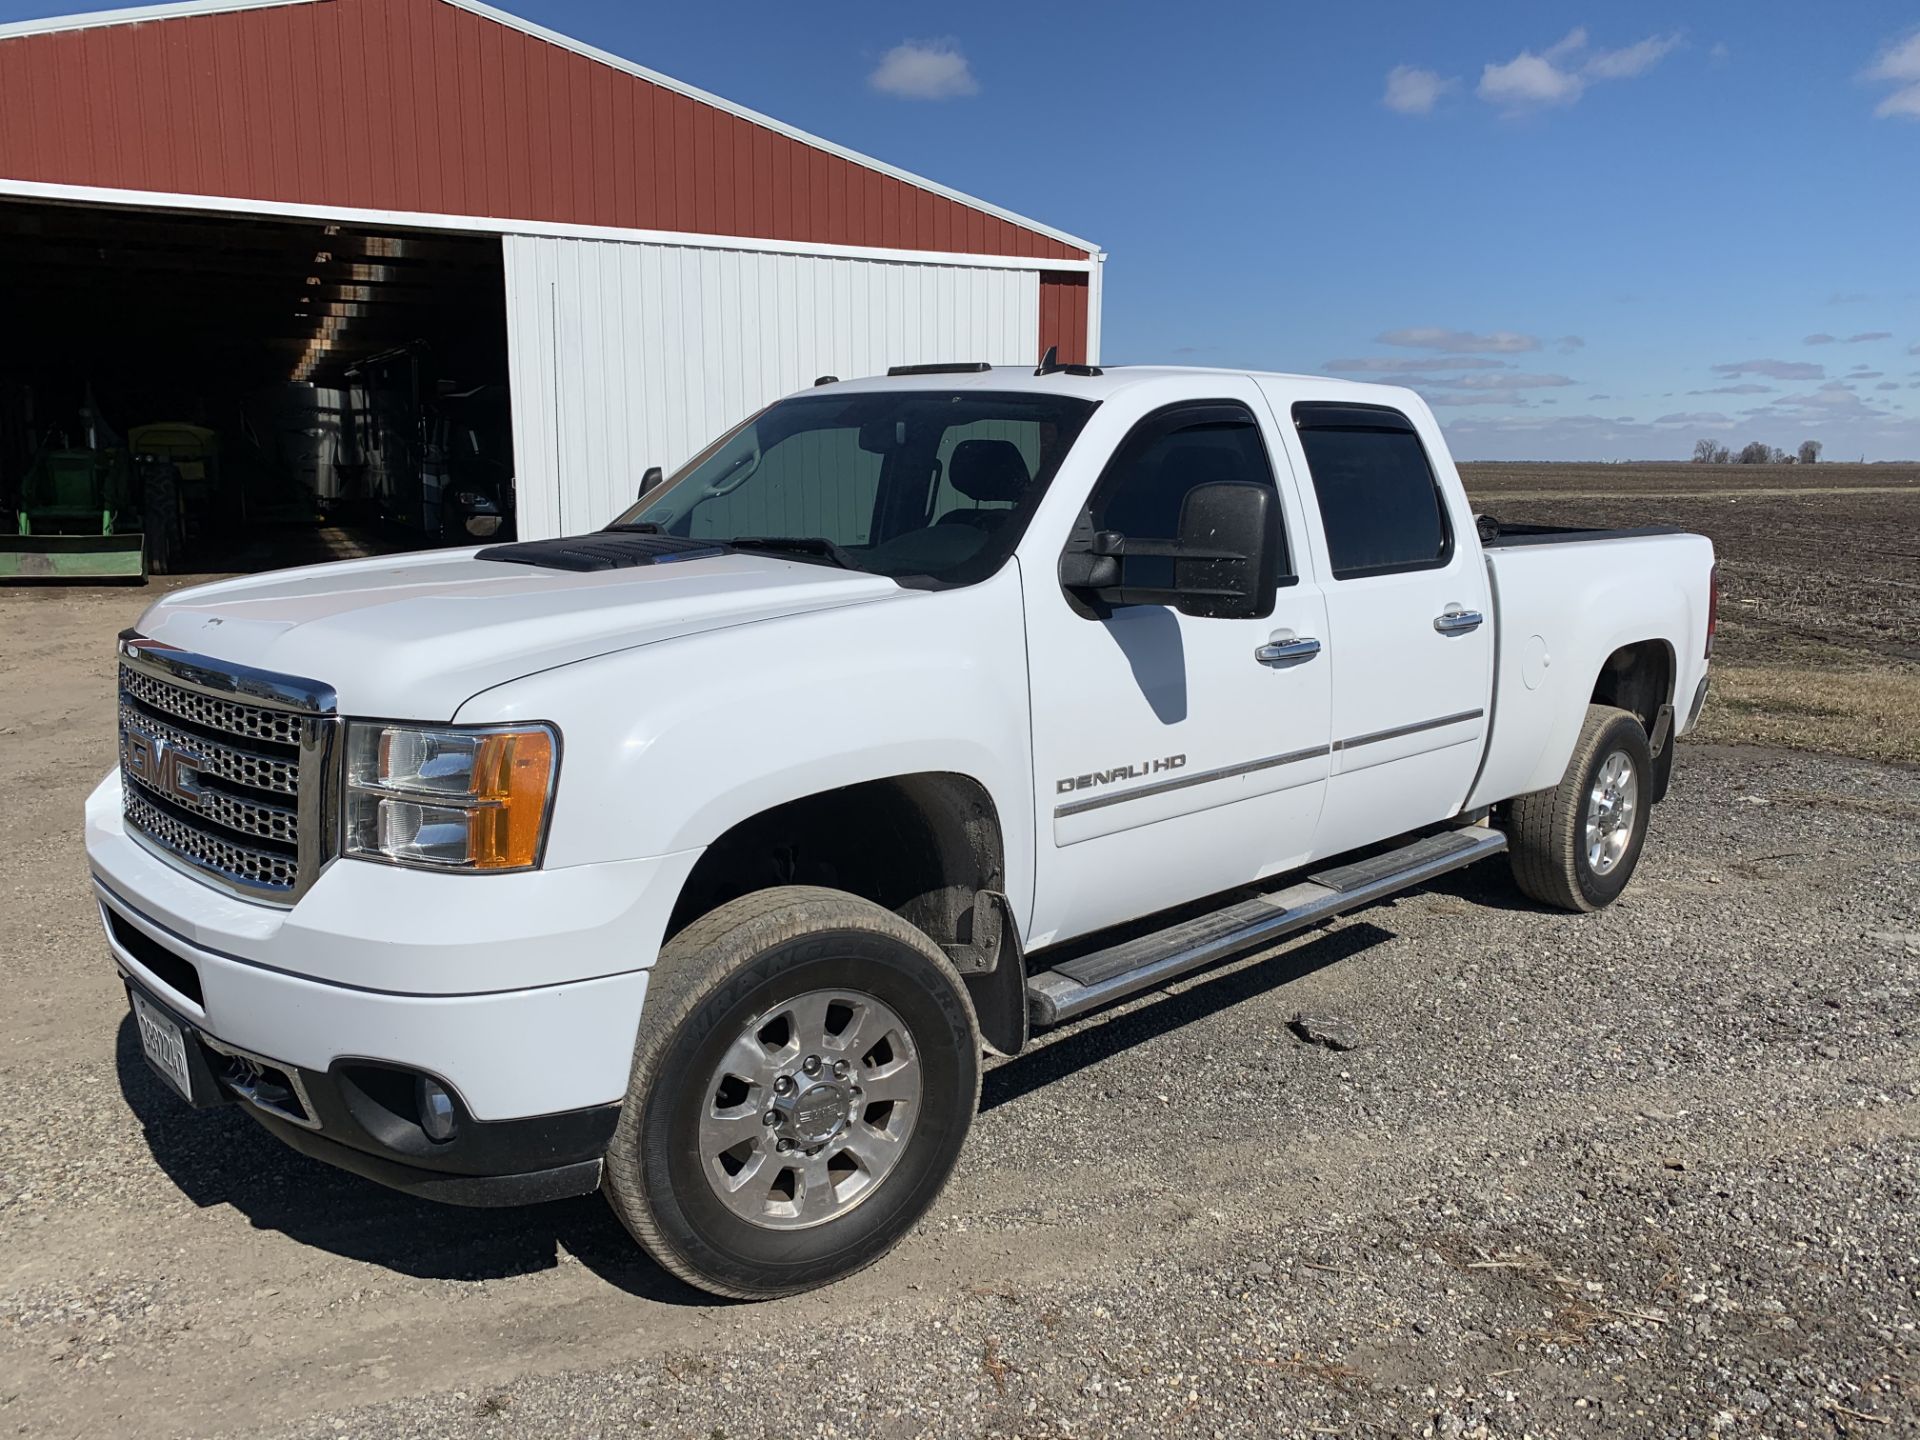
(521, 992)
(362, 1118)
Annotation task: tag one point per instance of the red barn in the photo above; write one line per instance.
(393, 205)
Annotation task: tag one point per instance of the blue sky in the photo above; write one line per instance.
(1586, 231)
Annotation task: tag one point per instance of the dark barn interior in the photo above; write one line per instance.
(224, 385)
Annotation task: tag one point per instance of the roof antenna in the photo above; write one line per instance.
(1050, 365)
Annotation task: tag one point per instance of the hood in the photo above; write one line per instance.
(412, 637)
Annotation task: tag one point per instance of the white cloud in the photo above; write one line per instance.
(1746, 388)
(1776, 369)
(1557, 75)
(1869, 335)
(1899, 63)
(1632, 60)
(1567, 344)
(1719, 54)
(924, 70)
(1490, 397)
(1431, 337)
(1513, 381)
(1413, 91)
(1692, 417)
(1393, 363)
(1529, 81)
(1821, 339)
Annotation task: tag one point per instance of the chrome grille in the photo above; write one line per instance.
(254, 722)
(233, 791)
(251, 768)
(208, 850)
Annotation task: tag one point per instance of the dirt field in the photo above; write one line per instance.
(1652, 1172)
(1820, 574)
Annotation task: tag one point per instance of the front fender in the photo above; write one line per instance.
(667, 746)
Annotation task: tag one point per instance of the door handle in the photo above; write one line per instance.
(1280, 652)
(1458, 622)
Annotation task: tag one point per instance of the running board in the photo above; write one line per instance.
(1105, 976)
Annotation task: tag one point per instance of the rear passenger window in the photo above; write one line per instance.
(1167, 454)
(1379, 502)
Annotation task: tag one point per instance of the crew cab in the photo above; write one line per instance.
(700, 858)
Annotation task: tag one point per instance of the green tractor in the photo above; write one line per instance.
(78, 518)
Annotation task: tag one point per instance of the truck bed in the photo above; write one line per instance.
(1561, 611)
(1498, 534)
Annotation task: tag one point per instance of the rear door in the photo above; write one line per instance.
(1171, 759)
(1409, 627)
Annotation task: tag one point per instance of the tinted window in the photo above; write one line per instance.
(815, 482)
(1167, 455)
(954, 505)
(1379, 502)
(922, 485)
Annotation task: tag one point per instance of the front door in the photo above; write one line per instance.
(1172, 760)
(1409, 622)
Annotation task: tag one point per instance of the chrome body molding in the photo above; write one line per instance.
(1267, 762)
(1376, 736)
(1202, 777)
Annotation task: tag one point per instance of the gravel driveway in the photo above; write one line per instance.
(1655, 1171)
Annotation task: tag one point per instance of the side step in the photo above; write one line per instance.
(1147, 961)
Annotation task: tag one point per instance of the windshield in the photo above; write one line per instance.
(918, 485)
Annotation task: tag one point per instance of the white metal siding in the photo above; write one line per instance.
(625, 355)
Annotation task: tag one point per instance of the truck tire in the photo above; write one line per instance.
(1575, 847)
(805, 1073)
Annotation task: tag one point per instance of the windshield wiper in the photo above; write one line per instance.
(805, 547)
(637, 527)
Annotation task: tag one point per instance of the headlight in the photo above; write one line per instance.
(449, 798)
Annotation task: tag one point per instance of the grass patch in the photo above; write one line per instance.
(1872, 712)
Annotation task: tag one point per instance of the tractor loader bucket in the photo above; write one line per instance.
(73, 557)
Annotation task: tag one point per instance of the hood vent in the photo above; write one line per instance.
(605, 550)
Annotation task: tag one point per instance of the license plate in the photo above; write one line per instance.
(164, 1044)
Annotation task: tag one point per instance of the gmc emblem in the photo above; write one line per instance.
(175, 773)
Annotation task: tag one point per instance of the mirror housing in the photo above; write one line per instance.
(1240, 524)
(1226, 559)
(650, 479)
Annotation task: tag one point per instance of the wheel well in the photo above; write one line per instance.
(922, 846)
(1638, 678)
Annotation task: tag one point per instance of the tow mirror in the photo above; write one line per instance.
(1225, 560)
(649, 480)
(1230, 536)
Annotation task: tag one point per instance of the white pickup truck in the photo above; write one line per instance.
(700, 857)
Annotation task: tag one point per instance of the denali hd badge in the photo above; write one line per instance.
(1121, 772)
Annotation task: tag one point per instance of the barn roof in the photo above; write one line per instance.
(447, 107)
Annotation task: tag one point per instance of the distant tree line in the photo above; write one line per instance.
(1712, 452)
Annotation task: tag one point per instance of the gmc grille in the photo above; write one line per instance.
(218, 785)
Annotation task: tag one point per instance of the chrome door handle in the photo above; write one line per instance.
(1279, 652)
(1458, 622)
